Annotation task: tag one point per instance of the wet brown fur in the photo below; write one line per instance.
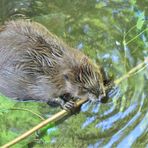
(37, 65)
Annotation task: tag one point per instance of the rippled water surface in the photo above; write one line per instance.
(104, 30)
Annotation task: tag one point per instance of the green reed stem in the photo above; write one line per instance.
(138, 68)
(135, 37)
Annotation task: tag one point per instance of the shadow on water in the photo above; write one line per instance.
(100, 28)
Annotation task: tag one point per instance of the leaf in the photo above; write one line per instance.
(140, 22)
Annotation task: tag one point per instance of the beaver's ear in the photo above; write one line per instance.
(84, 60)
(84, 64)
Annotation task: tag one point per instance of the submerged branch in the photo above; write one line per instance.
(24, 109)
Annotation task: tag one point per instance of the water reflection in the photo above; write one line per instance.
(120, 133)
(135, 133)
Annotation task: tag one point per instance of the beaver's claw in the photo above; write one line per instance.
(71, 107)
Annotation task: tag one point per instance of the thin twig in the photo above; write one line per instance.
(130, 30)
(24, 109)
(132, 71)
(136, 36)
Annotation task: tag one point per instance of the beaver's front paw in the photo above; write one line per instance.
(71, 107)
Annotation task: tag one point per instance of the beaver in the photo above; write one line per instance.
(37, 65)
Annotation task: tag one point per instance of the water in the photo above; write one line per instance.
(99, 29)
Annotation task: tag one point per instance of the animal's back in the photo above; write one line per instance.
(17, 41)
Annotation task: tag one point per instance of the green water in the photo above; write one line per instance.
(104, 30)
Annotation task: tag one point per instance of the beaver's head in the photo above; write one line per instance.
(86, 80)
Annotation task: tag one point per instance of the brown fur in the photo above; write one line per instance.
(36, 65)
